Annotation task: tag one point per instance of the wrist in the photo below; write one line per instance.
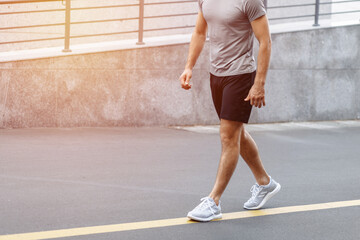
(188, 68)
(259, 82)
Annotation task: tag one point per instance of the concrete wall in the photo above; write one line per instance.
(13, 20)
(314, 75)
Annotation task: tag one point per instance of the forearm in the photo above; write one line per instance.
(263, 62)
(196, 46)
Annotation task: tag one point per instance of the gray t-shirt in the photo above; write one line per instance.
(230, 33)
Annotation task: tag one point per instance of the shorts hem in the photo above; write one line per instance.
(235, 119)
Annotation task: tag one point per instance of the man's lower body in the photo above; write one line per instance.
(228, 95)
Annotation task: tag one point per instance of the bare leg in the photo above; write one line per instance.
(249, 152)
(230, 140)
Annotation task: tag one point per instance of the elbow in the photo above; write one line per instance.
(200, 32)
(200, 35)
(269, 43)
(266, 44)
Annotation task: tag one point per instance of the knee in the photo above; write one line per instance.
(230, 133)
(230, 139)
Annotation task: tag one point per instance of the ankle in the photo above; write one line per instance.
(263, 180)
(215, 198)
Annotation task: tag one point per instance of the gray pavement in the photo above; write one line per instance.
(77, 177)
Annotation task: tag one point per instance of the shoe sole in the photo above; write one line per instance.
(215, 217)
(266, 198)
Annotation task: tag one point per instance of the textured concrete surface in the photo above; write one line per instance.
(53, 178)
(313, 76)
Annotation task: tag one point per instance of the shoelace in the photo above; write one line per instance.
(255, 189)
(205, 202)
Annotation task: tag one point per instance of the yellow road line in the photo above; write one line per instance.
(171, 222)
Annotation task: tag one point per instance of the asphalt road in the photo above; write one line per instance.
(68, 178)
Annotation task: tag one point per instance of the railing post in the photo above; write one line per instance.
(141, 23)
(67, 27)
(317, 11)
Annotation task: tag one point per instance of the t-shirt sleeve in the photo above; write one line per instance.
(254, 9)
(200, 2)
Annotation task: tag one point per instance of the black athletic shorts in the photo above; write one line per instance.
(228, 94)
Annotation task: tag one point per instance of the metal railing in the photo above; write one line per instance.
(317, 4)
(141, 17)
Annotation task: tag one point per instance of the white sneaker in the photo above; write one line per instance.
(261, 194)
(206, 211)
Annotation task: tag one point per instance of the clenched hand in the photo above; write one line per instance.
(185, 79)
